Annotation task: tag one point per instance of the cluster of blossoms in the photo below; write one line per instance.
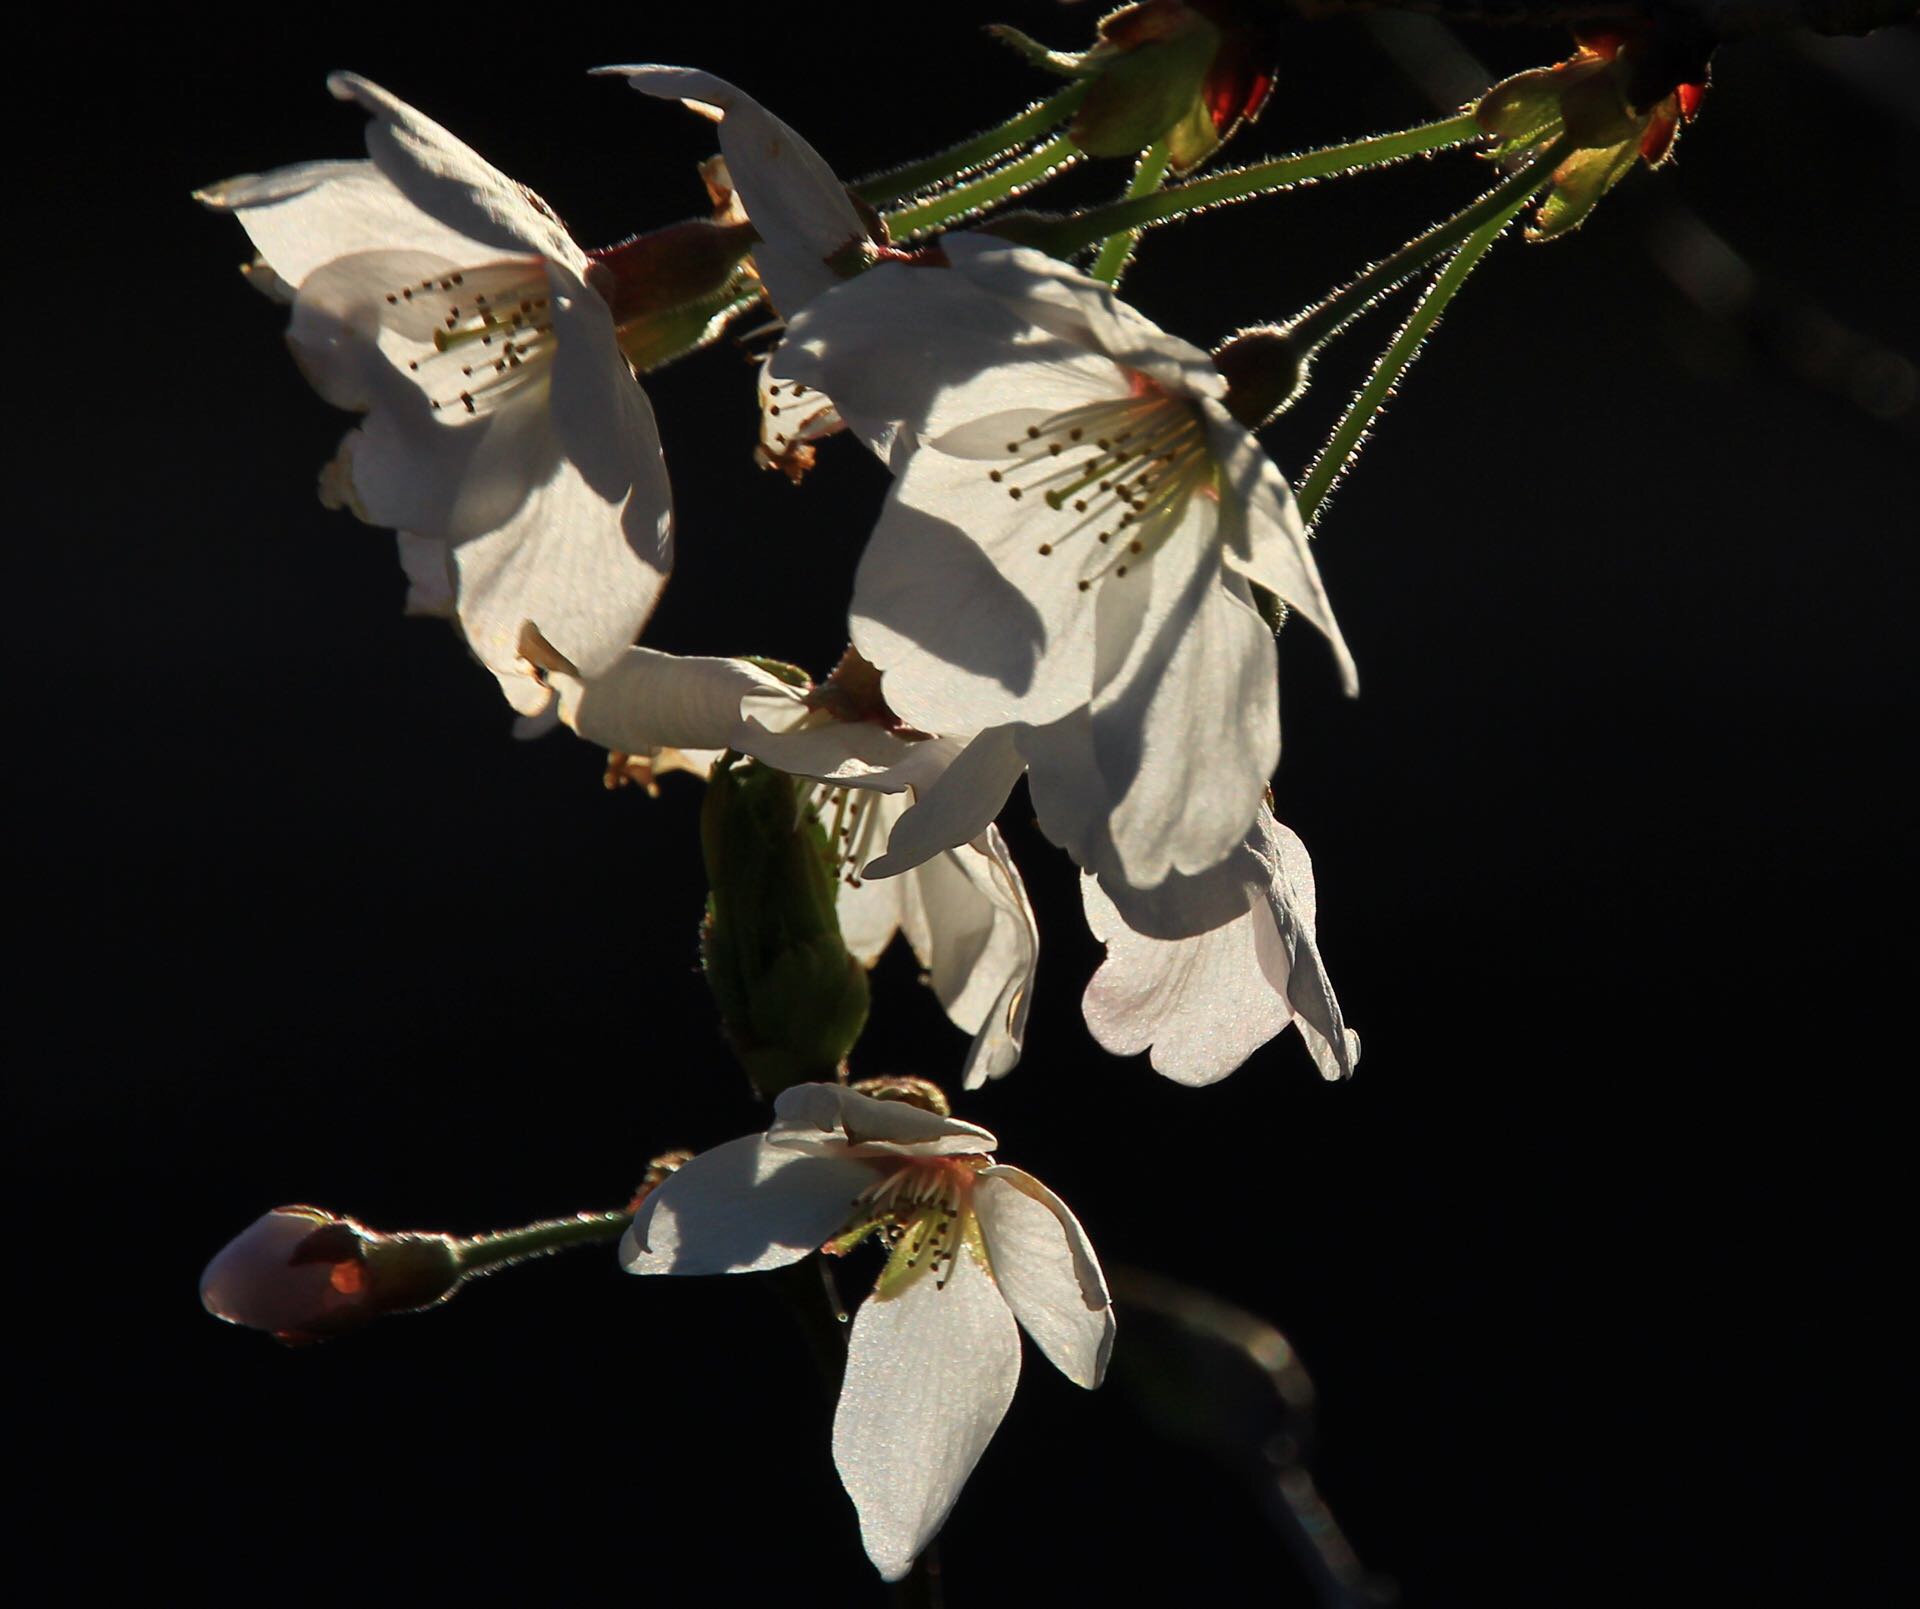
(1071, 580)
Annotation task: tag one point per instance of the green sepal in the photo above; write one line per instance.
(1193, 139)
(1578, 184)
(1143, 93)
(1522, 108)
(792, 1000)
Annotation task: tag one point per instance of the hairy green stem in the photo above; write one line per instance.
(984, 191)
(1319, 324)
(1148, 175)
(484, 1253)
(1083, 229)
(970, 154)
(1351, 432)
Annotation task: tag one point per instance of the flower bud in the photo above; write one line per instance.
(1620, 98)
(305, 1275)
(671, 290)
(792, 1000)
(1185, 71)
(1265, 371)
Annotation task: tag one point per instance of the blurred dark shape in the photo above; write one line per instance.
(1228, 1384)
(304, 1275)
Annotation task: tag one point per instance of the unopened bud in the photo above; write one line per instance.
(304, 1275)
(1265, 371)
(1186, 72)
(792, 1000)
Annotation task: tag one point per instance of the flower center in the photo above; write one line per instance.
(922, 1212)
(491, 328)
(1147, 457)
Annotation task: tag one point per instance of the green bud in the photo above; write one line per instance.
(1145, 92)
(791, 998)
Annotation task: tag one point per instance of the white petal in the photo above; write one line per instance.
(1266, 539)
(830, 1118)
(930, 1374)
(1290, 956)
(956, 805)
(805, 742)
(742, 1207)
(1188, 732)
(1184, 906)
(650, 700)
(585, 557)
(796, 205)
(301, 217)
(449, 181)
(428, 565)
(1203, 1005)
(1047, 1271)
(970, 624)
(1065, 302)
(870, 908)
(968, 918)
(352, 344)
(924, 347)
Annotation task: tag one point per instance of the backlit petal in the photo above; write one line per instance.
(742, 1207)
(1046, 1269)
(930, 1373)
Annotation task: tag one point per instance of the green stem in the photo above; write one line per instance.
(1350, 433)
(1077, 232)
(484, 1253)
(1148, 175)
(983, 191)
(1319, 324)
(973, 153)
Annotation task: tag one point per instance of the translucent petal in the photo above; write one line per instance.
(1046, 1269)
(743, 1207)
(930, 1374)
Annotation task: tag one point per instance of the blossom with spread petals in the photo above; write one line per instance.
(974, 1248)
(505, 437)
(1073, 535)
(961, 904)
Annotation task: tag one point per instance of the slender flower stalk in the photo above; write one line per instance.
(1351, 432)
(983, 192)
(1117, 251)
(1321, 323)
(944, 166)
(1069, 235)
(482, 1254)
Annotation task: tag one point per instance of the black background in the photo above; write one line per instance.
(1594, 1263)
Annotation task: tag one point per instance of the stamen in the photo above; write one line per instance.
(1151, 458)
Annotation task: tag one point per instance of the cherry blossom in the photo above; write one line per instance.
(505, 438)
(1074, 534)
(976, 1251)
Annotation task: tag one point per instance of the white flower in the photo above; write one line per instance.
(961, 903)
(1073, 536)
(1204, 971)
(505, 437)
(934, 1354)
